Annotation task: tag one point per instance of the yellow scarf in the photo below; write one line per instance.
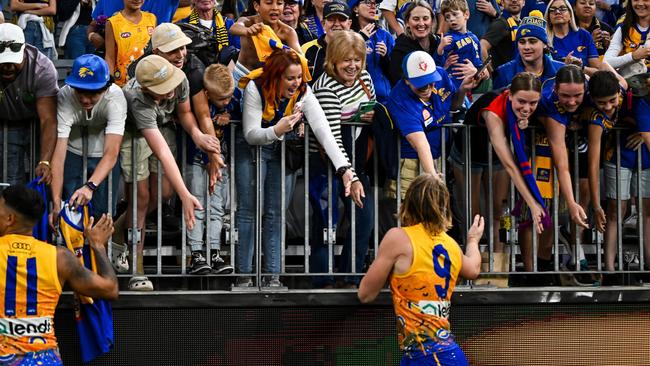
(265, 43)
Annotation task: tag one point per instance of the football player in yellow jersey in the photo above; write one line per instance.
(32, 275)
(423, 264)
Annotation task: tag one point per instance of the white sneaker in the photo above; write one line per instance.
(120, 257)
(140, 283)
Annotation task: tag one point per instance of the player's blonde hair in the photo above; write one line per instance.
(218, 78)
(427, 203)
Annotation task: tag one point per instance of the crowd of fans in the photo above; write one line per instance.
(139, 84)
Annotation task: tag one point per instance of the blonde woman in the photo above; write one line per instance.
(568, 42)
(341, 90)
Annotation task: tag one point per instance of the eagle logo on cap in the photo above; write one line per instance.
(84, 71)
(423, 66)
(524, 32)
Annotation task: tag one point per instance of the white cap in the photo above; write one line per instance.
(9, 34)
(419, 69)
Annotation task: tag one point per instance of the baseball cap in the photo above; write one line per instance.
(336, 7)
(419, 69)
(89, 72)
(167, 37)
(533, 25)
(158, 75)
(10, 36)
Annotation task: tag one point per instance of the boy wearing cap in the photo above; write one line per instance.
(169, 42)
(159, 92)
(531, 42)
(420, 103)
(28, 93)
(336, 17)
(88, 104)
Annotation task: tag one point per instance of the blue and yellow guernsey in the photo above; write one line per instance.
(422, 296)
(30, 292)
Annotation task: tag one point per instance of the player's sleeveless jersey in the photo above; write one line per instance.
(30, 291)
(131, 40)
(421, 296)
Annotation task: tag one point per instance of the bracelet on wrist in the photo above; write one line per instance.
(92, 186)
(44, 162)
(342, 170)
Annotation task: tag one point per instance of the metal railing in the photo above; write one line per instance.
(295, 255)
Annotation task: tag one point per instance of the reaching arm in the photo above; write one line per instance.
(419, 142)
(160, 148)
(207, 143)
(46, 109)
(556, 134)
(102, 284)
(501, 146)
(593, 161)
(471, 265)
(202, 114)
(58, 164)
(394, 247)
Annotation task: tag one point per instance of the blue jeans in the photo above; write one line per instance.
(269, 194)
(77, 43)
(196, 177)
(73, 180)
(34, 37)
(438, 354)
(318, 260)
(17, 146)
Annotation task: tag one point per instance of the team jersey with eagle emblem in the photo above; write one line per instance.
(421, 296)
(30, 292)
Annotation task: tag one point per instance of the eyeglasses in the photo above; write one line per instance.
(560, 10)
(369, 2)
(425, 88)
(13, 46)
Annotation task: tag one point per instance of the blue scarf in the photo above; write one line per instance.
(41, 229)
(518, 138)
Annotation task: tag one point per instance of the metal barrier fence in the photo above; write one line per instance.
(295, 257)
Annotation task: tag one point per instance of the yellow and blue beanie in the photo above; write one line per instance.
(533, 25)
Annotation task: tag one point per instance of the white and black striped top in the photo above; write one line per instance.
(340, 103)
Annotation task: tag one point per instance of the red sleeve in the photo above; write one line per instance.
(498, 105)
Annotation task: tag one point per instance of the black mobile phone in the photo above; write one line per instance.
(486, 64)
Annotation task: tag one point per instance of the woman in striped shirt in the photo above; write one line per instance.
(341, 90)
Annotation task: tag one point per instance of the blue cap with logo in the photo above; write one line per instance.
(89, 72)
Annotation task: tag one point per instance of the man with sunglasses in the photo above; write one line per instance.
(420, 103)
(336, 15)
(28, 89)
(91, 105)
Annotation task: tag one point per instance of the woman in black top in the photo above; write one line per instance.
(419, 24)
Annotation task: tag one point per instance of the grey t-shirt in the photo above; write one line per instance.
(145, 113)
(106, 117)
(37, 79)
